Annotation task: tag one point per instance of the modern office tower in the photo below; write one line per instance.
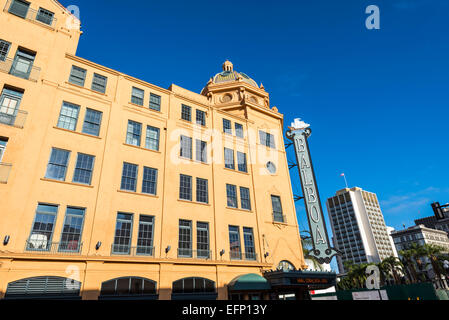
(358, 227)
(114, 187)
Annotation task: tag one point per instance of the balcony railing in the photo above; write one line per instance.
(41, 16)
(120, 249)
(60, 248)
(5, 169)
(194, 254)
(7, 66)
(15, 118)
(237, 255)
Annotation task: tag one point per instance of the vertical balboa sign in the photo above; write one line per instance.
(299, 132)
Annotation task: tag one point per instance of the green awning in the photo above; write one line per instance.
(249, 282)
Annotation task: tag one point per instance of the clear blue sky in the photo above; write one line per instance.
(378, 100)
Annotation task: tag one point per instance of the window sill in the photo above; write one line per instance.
(90, 90)
(141, 148)
(79, 133)
(68, 183)
(138, 194)
(239, 209)
(194, 202)
(237, 171)
(192, 160)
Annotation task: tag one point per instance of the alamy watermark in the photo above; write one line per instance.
(372, 22)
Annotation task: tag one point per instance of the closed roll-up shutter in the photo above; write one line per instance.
(44, 286)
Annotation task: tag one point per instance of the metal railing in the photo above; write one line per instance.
(15, 118)
(194, 254)
(7, 66)
(126, 250)
(30, 14)
(234, 255)
(5, 169)
(60, 248)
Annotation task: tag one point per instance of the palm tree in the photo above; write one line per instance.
(307, 245)
(393, 265)
(433, 252)
(407, 260)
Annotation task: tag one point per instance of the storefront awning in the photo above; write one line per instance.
(313, 280)
(249, 282)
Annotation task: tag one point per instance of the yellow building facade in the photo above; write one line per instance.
(108, 181)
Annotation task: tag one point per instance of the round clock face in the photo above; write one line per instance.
(271, 167)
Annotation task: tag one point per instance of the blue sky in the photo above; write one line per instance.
(377, 100)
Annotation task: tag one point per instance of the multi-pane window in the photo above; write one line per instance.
(185, 187)
(42, 230)
(234, 243)
(229, 158)
(277, 209)
(152, 138)
(99, 83)
(72, 229)
(145, 237)
(200, 117)
(231, 193)
(238, 130)
(23, 63)
(83, 168)
(248, 239)
(19, 8)
(227, 128)
(186, 147)
(92, 122)
(4, 49)
(77, 76)
(186, 113)
(133, 133)
(57, 166)
(68, 117)
(241, 162)
(201, 151)
(9, 105)
(202, 192)
(129, 177)
(185, 238)
(45, 16)
(3, 143)
(245, 200)
(123, 232)
(267, 139)
(155, 102)
(137, 96)
(202, 240)
(149, 184)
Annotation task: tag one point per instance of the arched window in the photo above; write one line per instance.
(44, 287)
(285, 266)
(194, 289)
(128, 286)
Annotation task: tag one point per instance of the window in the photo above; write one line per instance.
(202, 240)
(42, 230)
(186, 113)
(229, 158)
(186, 147)
(185, 239)
(155, 102)
(92, 122)
(245, 199)
(45, 16)
(239, 130)
(133, 133)
(202, 192)
(4, 49)
(9, 105)
(152, 139)
(23, 63)
(185, 187)
(227, 126)
(231, 192)
(149, 184)
(200, 117)
(19, 8)
(83, 169)
(137, 96)
(267, 139)
(3, 143)
(77, 76)
(193, 285)
(145, 238)
(123, 232)
(129, 177)
(72, 229)
(99, 83)
(57, 166)
(248, 238)
(277, 209)
(201, 151)
(241, 162)
(128, 286)
(234, 243)
(68, 117)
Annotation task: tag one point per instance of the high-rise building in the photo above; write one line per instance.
(390, 237)
(111, 186)
(358, 227)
